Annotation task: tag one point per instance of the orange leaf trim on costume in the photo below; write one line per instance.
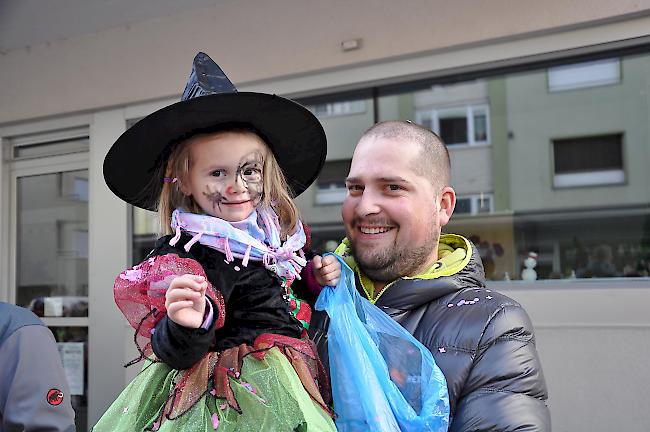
(219, 368)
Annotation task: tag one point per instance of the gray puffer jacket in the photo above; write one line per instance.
(482, 341)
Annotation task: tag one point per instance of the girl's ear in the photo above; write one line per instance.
(184, 187)
(447, 202)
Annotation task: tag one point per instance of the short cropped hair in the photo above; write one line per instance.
(433, 162)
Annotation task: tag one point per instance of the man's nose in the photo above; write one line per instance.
(368, 204)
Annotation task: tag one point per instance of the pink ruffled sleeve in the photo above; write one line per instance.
(140, 295)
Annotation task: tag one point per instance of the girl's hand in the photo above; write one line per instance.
(327, 270)
(185, 300)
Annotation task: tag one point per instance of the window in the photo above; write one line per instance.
(48, 144)
(331, 182)
(81, 189)
(458, 125)
(51, 244)
(507, 133)
(73, 185)
(463, 206)
(332, 109)
(48, 243)
(473, 204)
(588, 161)
(452, 126)
(145, 232)
(582, 75)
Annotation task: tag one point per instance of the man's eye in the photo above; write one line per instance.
(354, 188)
(394, 187)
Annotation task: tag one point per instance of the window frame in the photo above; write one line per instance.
(577, 85)
(474, 204)
(333, 194)
(14, 143)
(27, 168)
(347, 108)
(470, 108)
(593, 178)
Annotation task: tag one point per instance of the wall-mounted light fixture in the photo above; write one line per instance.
(351, 44)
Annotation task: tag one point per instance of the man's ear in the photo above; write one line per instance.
(447, 203)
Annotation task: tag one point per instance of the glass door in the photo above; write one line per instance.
(49, 256)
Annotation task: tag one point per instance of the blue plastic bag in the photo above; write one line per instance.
(383, 379)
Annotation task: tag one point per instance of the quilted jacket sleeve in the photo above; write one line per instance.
(505, 390)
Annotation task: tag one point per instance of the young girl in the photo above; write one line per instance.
(216, 318)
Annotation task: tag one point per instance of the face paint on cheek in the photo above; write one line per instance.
(250, 172)
(255, 190)
(214, 194)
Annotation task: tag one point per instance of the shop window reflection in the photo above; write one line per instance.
(565, 246)
(550, 184)
(52, 244)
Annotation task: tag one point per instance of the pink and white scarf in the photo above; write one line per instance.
(255, 238)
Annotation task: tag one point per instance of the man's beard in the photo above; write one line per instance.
(396, 260)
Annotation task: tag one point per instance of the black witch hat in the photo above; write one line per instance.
(133, 167)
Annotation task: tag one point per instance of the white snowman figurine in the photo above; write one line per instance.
(528, 274)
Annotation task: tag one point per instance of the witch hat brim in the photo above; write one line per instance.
(132, 167)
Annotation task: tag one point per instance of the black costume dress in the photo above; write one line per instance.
(253, 369)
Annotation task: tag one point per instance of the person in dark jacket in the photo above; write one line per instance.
(34, 393)
(398, 200)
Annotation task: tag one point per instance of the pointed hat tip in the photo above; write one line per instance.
(206, 78)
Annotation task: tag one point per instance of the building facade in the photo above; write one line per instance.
(546, 119)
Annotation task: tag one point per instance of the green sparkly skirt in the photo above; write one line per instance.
(269, 397)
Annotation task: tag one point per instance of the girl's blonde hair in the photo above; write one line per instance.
(276, 193)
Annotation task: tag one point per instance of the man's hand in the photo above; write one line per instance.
(327, 271)
(185, 300)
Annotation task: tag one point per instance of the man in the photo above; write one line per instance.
(398, 200)
(34, 395)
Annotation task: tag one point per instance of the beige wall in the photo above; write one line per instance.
(468, 176)
(592, 339)
(257, 40)
(107, 256)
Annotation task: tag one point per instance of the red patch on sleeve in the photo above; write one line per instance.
(54, 397)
